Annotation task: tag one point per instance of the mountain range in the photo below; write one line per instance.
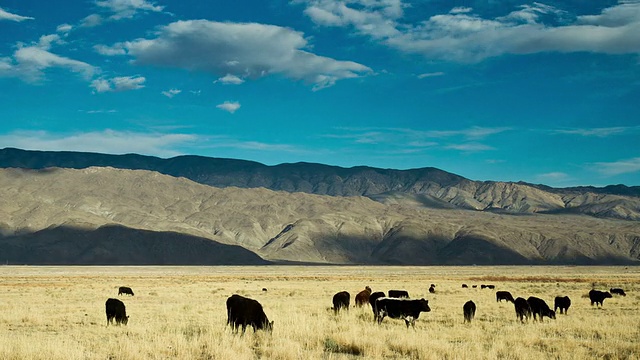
(88, 208)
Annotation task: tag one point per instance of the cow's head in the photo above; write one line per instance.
(607, 294)
(424, 305)
(367, 288)
(269, 326)
(125, 320)
(552, 314)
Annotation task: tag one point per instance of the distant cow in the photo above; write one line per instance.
(523, 310)
(504, 295)
(125, 290)
(372, 301)
(562, 303)
(464, 286)
(341, 300)
(398, 294)
(115, 309)
(617, 291)
(432, 290)
(491, 287)
(540, 308)
(483, 286)
(363, 296)
(242, 311)
(469, 311)
(408, 310)
(264, 289)
(474, 286)
(597, 297)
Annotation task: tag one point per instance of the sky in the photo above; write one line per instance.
(543, 92)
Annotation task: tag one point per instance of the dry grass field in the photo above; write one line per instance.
(179, 313)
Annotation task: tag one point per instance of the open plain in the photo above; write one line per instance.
(179, 313)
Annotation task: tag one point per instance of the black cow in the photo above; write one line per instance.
(372, 301)
(406, 309)
(341, 300)
(540, 308)
(363, 296)
(474, 286)
(504, 295)
(483, 286)
(125, 290)
(523, 310)
(432, 290)
(464, 286)
(491, 287)
(398, 294)
(115, 309)
(469, 311)
(597, 297)
(562, 303)
(242, 311)
(617, 291)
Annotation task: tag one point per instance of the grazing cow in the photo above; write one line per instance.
(523, 310)
(264, 289)
(474, 286)
(125, 290)
(408, 310)
(432, 289)
(562, 303)
(115, 309)
(491, 287)
(469, 311)
(597, 297)
(483, 286)
(242, 311)
(398, 294)
(372, 301)
(504, 295)
(363, 296)
(464, 286)
(540, 308)
(341, 300)
(617, 291)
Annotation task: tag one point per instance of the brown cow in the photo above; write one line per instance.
(363, 296)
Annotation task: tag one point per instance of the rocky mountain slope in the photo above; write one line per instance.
(111, 216)
(424, 188)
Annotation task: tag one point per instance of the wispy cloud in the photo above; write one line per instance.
(243, 50)
(596, 132)
(432, 74)
(552, 176)
(120, 83)
(229, 106)
(470, 147)
(107, 141)
(230, 79)
(5, 15)
(29, 63)
(463, 36)
(618, 167)
(171, 93)
(125, 9)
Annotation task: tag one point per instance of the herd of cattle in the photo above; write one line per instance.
(243, 311)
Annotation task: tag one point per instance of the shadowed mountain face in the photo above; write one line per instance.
(112, 216)
(423, 188)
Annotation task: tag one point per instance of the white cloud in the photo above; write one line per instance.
(171, 93)
(91, 21)
(230, 79)
(124, 9)
(64, 28)
(121, 83)
(46, 41)
(463, 36)
(552, 176)
(472, 133)
(242, 49)
(433, 74)
(618, 167)
(470, 147)
(230, 106)
(5, 15)
(107, 141)
(460, 10)
(596, 132)
(109, 50)
(30, 63)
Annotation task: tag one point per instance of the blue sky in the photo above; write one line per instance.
(543, 92)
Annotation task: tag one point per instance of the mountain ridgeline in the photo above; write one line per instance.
(424, 187)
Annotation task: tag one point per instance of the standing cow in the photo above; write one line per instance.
(372, 301)
(125, 290)
(115, 309)
(469, 311)
(341, 300)
(363, 297)
(540, 308)
(242, 311)
(523, 310)
(597, 297)
(504, 295)
(562, 303)
(432, 289)
(408, 310)
(617, 291)
(398, 294)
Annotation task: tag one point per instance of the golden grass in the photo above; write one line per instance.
(179, 313)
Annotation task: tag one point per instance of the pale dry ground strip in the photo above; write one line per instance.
(179, 313)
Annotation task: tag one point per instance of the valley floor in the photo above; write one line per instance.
(179, 313)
